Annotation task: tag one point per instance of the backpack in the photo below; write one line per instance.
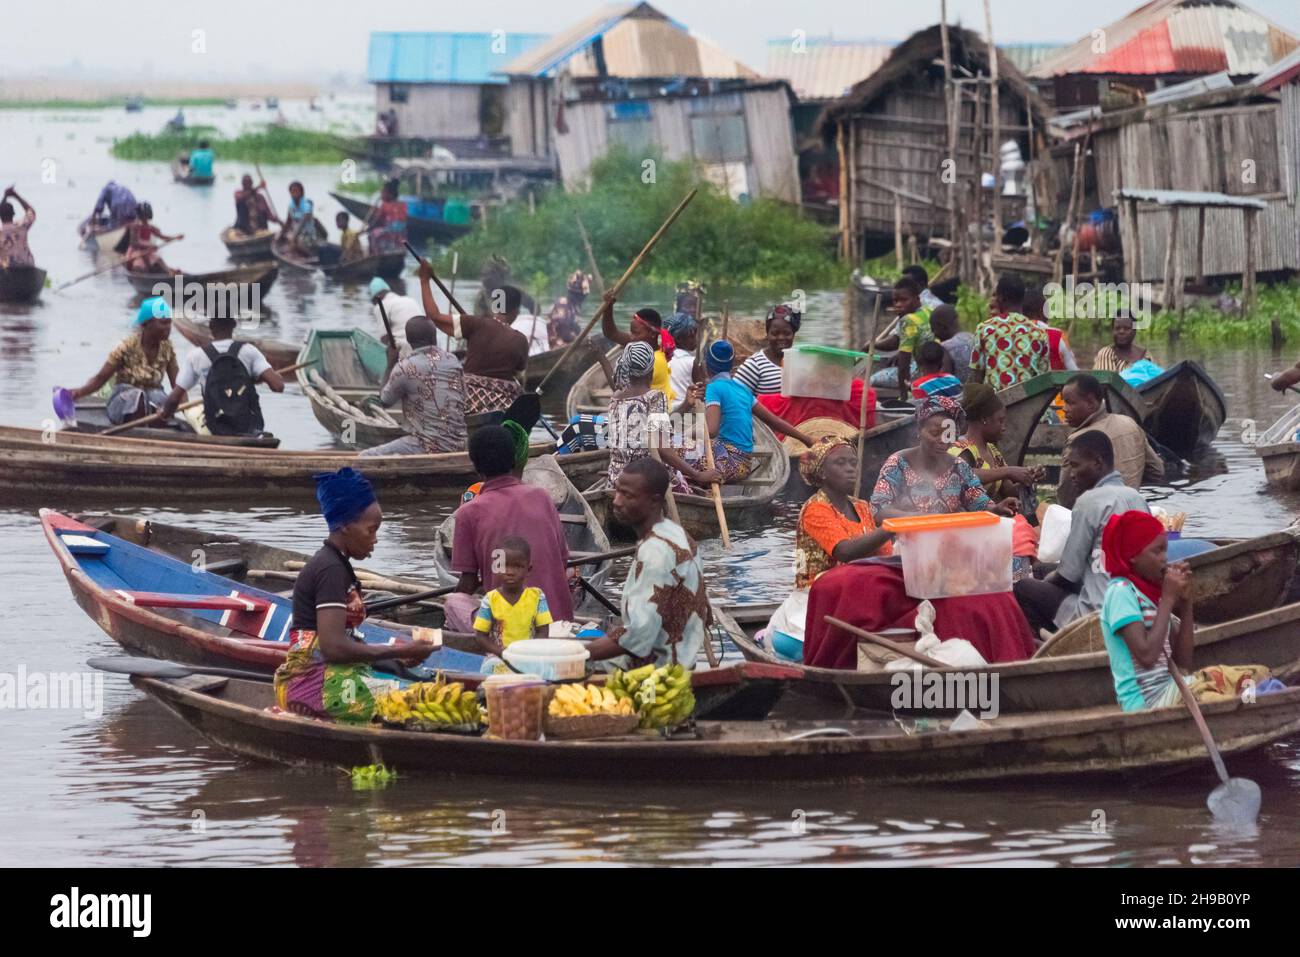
(230, 402)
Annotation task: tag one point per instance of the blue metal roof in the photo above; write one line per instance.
(444, 57)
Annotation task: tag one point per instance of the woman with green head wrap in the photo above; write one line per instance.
(986, 420)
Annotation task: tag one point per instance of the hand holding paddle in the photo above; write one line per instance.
(113, 265)
(426, 266)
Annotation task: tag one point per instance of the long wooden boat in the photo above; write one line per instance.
(21, 283)
(1270, 638)
(235, 714)
(92, 418)
(248, 246)
(76, 463)
(1279, 450)
(348, 367)
(745, 503)
(292, 259)
(419, 229)
(103, 239)
(563, 380)
(590, 392)
(181, 173)
(260, 275)
(279, 353)
(1185, 408)
(388, 265)
(161, 606)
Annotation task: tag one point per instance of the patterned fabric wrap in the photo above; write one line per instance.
(734, 464)
(308, 685)
(811, 462)
(941, 405)
(485, 394)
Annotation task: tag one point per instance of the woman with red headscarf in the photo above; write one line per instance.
(647, 326)
(1144, 595)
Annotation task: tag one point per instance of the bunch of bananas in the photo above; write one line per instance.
(661, 696)
(430, 703)
(572, 701)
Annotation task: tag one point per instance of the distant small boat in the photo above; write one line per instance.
(261, 275)
(1186, 408)
(232, 103)
(134, 104)
(103, 239)
(248, 246)
(21, 283)
(181, 173)
(419, 228)
(272, 102)
(1280, 451)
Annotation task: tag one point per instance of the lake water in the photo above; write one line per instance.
(132, 785)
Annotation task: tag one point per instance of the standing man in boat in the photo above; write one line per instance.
(430, 384)
(300, 227)
(387, 222)
(497, 355)
(665, 606)
(562, 323)
(233, 408)
(117, 203)
(14, 250)
(252, 211)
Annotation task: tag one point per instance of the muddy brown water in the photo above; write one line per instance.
(127, 784)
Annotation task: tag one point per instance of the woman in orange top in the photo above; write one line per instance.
(834, 527)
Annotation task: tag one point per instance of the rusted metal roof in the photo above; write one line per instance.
(823, 68)
(1176, 36)
(638, 42)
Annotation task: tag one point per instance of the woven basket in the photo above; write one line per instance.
(589, 726)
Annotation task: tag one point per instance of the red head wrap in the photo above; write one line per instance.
(1126, 536)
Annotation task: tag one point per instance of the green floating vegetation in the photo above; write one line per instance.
(885, 268)
(107, 104)
(725, 244)
(268, 144)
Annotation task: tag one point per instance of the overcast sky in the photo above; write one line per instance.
(330, 36)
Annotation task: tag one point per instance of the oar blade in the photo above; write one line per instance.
(1235, 801)
(143, 667)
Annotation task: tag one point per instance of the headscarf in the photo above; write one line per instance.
(520, 419)
(377, 286)
(979, 401)
(155, 307)
(1125, 536)
(936, 405)
(681, 324)
(720, 356)
(811, 462)
(640, 361)
(343, 496)
(666, 344)
(789, 315)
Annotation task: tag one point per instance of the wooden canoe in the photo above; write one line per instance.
(247, 246)
(388, 265)
(1270, 638)
(348, 369)
(563, 380)
(419, 229)
(279, 353)
(181, 174)
(1279, 451)
(92, 418)
(260, 275)
(102, 239)
(745, 504)
(108, 576)
(590, 392)
(1185, 408)
(82, 464)
(21, 283)
(235, 714)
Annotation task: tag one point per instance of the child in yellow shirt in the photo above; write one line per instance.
(511, 612)
(349, 240)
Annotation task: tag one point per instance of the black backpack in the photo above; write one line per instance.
(230, 402)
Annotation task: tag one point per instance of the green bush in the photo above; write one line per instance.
(269, 144)
(720, 242)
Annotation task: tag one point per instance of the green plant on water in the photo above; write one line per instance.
(105, 104)
(972, 307)
(762, 243)
(885, 268)
(362, 187)
(372, 777)
(267, 144)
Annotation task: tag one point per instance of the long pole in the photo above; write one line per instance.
(121, 262)
(996, 125)
(866, 389)
(607, 306)
(438, 282)
(591, 256)
(269, 201)
(951, 107)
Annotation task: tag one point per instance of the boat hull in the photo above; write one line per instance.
(419, 229)
(20, 284)
(244, 247)
(261, 276)
(1186, 408)
(280, 354)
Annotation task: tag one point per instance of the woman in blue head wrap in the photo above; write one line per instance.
(681, 367)
(327, 673)
(136, 366)
(730, 410)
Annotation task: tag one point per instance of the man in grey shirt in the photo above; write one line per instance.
(430, 384)
(1078, 585)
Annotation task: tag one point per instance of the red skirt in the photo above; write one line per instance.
(872, 597)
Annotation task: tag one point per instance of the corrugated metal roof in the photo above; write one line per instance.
(444, 57)
(1176, 36)
(1283, 71)
(639, 43)
(1026, 56)
(1175, 197)
(825, 69)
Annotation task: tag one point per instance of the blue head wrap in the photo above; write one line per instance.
(154, 307)
(680, 324)
(377, 286)
(343, 496)
(721, 355)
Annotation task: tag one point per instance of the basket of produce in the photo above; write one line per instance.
(587, 711)
(431, 706)
(662, 697)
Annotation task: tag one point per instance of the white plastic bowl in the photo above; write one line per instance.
(552, 659)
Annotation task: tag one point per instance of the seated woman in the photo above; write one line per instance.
(1123, 351)
(327, 673)
(141, 254)
(926, 479)
(137, 365)
(986, 420)
(762, 372)
(834, 527)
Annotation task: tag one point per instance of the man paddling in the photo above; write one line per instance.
(252, 211)
(14, 250)
(231, 406)
(430, 384)
(665, 606)
(115, 206)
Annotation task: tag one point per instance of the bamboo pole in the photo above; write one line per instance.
(898, 231)
(842, 155)
(1200, 245)
(866, 389)
(1058, 268)
(591, 256)
(996, 124)
(1171, 246)
(951, 106)
(607, 304)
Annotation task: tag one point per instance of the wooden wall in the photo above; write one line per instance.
(529, 119)
(434, 109)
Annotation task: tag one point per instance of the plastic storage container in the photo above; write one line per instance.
(819, 372)
(948, 556)
(515, 705)
(551, 659)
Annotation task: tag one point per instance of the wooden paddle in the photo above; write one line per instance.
(388, 326)
(886, 643)
(154, 668)
(671, 498)
(121, 262)
(1235, 800)
(266, 189)
(597, 594)
(866, 389)
(716, 492)
(591, 256)
(607, 304)
(438, 282)
(157, 416)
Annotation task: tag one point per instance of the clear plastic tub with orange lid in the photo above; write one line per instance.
(950, 556)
